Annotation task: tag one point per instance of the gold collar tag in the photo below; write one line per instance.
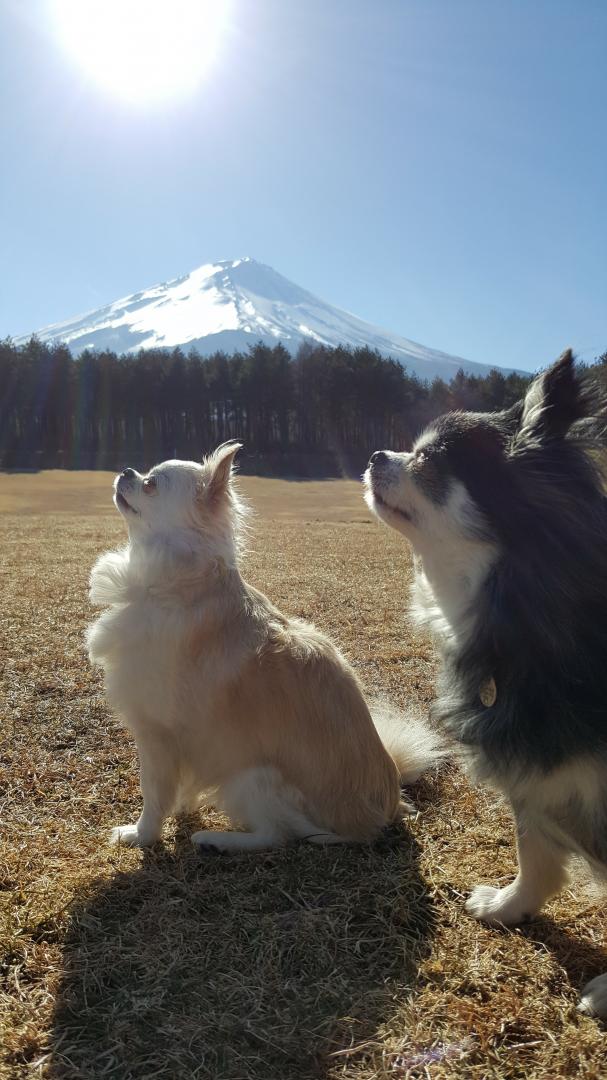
(488, 692)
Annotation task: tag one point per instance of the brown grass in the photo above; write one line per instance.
(353, 963)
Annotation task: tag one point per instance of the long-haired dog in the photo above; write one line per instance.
(507, 515)
(222, 692)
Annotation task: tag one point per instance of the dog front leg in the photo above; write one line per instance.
(159, 773)
(542, 873)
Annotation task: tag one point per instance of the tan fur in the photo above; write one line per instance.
(295, 704)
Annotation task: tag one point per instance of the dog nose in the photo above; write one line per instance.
(378, 457)
(128, 474)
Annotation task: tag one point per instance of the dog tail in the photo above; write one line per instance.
(408, 738)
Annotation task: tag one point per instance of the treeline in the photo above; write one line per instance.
(322, 411)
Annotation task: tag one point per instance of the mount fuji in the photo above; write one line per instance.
(229, 305)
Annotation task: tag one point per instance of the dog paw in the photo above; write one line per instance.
(212, 840)
(496, 905)
(129, 836)
(207, 849)
(594, 997)
(209, 842)
(405, 808)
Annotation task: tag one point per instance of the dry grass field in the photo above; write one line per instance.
(302, 964)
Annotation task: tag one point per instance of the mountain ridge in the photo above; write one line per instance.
(233, 303)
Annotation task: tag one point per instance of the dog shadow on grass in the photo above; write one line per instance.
(580, 959)
(277, 966)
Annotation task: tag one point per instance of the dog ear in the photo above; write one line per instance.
(552, 403)
(509, 420)
(220, 464)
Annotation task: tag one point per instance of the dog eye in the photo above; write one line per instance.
(150, 485)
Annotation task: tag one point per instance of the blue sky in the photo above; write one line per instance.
(437, 167)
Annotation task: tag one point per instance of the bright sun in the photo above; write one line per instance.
(142, 50)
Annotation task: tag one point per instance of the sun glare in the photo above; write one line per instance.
(142, 50)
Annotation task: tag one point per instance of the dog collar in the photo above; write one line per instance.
(488, 692)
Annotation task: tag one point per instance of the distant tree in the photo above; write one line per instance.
(104, 410)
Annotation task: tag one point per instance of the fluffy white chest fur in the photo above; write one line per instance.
(445, 588)
(145, 648)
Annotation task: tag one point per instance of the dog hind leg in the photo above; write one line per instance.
(271, 811)
(542, 874)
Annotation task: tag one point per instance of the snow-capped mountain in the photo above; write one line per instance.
(232, 304)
